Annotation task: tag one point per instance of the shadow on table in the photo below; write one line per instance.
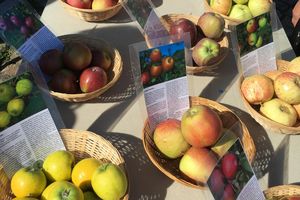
(264, 148)
(145, 180)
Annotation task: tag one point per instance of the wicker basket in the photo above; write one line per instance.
(265, 122)
(282, 192)
(170, 166)
(168, 20)
(93, 15)
(113, 75)
(82, 144)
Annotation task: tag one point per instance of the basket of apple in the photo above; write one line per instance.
(91, 169)
(283, 192)
(273, 98)
(187, 150)
(93, 10)
(237, 11)
(85, 68)
(209, 43)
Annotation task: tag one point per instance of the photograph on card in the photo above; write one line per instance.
(254, 33)
(19, 98)
(233, 176)
(18, 22)
(163, 63)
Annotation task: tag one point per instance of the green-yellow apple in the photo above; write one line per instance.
(109, 181)
(211, 24)
(15, 107)
(240, 12)
(279, 111)
(224, 143)
(287, 87)
(252, 39)
(58, 165)
(294, 65)
(221, 6)
(89, 195)
(62, 190)
(273, 74)
(7, 92)
(262, 21)
(201, 126)
(198, 163)
(257, 89)
(251, 26)
(259, 41)
(258, 7)
(4, 119)
(240, 1)
(24, 198)
(103, 4)
(206, 52)
(169, 139)
(24, 87)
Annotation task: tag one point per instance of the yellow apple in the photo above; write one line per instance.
(103, 4)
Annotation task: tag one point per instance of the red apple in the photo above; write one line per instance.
(201, 126)
(15, 20)
(167, 63)
(216, 183)
(252, 39)
(29, 22)
(102, 59)
(257, 89)
(198, 163)
(181, 26)
(229, 165)
(64, 81)
(287, 87)
(251, 26)
(51, 61)
(228, 193)
(155, 70)
(92, 78)
(212, 25)
(145, 77)
(155, 55)
(84, 4)
(77, 55)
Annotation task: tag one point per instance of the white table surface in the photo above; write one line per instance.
(121, 119)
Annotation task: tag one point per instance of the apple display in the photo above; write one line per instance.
(4, 119)
(211, 24)
(167, 63)
(287, 87)
(279, 111)
(198, 163)
(76, 55)
(258, 7)
(101, 58)
(252, 39)
(58, 165)
(24, 87)
(257, 88)
(155, 55)
(294, 65)
(201, 126)
(15, 107)
(169, 139)
(51, 61)
(109, 181)
(7, 92)
(83, 4)
(273, 74)
(103, 4)
(92, 79)
(251, 26)
(206, 52)
(240, 12)
(62, 190)
(221, 6)
(64, 81)
(181, 26)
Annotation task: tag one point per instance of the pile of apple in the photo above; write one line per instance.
(204, 36)
(92, 4)
(241, 10)
(194, 140)
(276, 93)
(76, 68)
(58, 178)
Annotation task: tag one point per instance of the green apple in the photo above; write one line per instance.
(62, 190)
(258, 7)
(4, 119)
(89, 195)
(240, 1)
(109, 182)
(58, 165)
(206, 51)
(7, 92)
(24, 87)
(221, 6)
(262, 22)
(279, 111)
(252, 39)
(259, 41)
(15, 107)
(240, 12)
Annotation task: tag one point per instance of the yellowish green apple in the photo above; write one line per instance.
(258, 7)
(240, 12)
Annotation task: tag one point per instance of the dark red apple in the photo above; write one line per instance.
(77, 55)
(51, 61)
(102, 59)
(229, 165)
(145, 77)
(84, 4)
(64, 81)
(155, 55)
(228, 193)
(5, 24)
(15, 20)
(155, 70)
(181, 26)
(25, 30)
(92, 78)
(29, 22)
(217, 182)
(167, 63)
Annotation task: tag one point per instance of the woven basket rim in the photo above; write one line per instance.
(91, 10)
(282, 191)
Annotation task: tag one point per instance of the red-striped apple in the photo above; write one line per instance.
(211, 24)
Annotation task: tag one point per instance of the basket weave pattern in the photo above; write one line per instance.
(170, 166)
(282, 192)
(82, 144)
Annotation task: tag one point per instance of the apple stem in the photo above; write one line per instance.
(284, 109)
(65, 194)
(37, 165)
